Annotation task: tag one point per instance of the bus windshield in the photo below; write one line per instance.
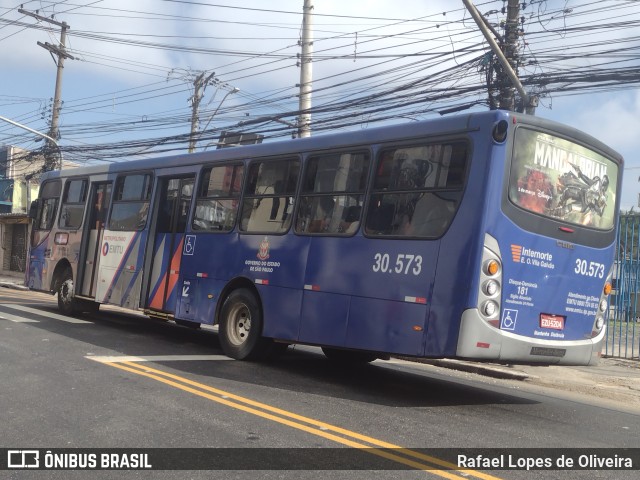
(563, 180)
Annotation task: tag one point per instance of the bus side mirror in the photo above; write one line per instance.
(34, 208)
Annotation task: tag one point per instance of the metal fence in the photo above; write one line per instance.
(623, 330)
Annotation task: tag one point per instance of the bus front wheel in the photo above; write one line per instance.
(240, 330)
(66, 300)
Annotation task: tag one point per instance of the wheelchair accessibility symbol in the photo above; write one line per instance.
(509, 318)
(189, 245)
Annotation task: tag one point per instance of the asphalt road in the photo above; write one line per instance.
(120, 380)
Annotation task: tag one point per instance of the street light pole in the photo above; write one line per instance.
(24, 127)
(235, 90)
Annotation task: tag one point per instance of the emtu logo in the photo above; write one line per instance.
(105, 248)
(516, 253)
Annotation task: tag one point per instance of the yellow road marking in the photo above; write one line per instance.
(322, 430)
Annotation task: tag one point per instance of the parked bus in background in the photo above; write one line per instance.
(486, 236)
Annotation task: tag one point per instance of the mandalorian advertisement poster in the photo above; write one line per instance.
(563, 180)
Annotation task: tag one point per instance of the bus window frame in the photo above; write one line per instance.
(354, 150)
(238, 197)
(413, 143)
(147, 201)
(297, 158)
(42, 200)
(549, 226)
(65, 191)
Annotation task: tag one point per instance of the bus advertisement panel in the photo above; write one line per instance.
(561, 179)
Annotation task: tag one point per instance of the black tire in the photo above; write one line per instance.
(66, 301)
(348, 356)
(240, 329)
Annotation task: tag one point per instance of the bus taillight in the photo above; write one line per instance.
(490, 283)
(492, 267)
(603, 307)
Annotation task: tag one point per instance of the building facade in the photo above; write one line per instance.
(19, 176)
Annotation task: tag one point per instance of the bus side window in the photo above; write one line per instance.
(218, 198)
(73, 203)
(131, 202)
(417, 190)
(49, 195)
(333, 194)
(268, 200)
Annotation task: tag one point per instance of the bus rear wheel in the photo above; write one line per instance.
(348, 356)
(240, 330)
(66, 300)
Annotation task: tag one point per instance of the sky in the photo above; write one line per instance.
(115, 91)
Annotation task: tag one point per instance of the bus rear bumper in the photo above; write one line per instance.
(480, 341)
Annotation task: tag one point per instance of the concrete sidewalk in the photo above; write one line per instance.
(613, 379)
(12, 280)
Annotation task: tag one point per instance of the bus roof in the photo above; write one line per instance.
(381, 134)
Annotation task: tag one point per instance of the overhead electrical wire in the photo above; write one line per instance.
(343, 99)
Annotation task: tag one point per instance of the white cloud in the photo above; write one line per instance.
(616, 121)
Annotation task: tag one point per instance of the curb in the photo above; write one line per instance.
(14, 286)
(487, 370)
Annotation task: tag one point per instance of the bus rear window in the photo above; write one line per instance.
(560, 179)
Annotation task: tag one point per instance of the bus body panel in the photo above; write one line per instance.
(551, 294)
(480, 341)
(37, 262)
(456, 280)
(89, 279)
(120, 268)
(198, 299)
(268, 259)
(281, 308)
(325, 317)
(165, 271)
(547, 276)
(360, 278)
(387, 326)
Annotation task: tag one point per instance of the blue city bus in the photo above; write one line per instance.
(486, 236)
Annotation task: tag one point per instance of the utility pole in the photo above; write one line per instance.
(60, 52)
(195, 105)
(510, 50)
(530, 102)
(199, 83)
(306, 77)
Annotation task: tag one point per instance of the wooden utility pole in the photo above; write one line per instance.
(195, 105)
(199, 84)
(510, 50)
(306, 77)
(61, 54)
(530, 102)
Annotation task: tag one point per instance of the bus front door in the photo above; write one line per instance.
(92, 239)
(174, 201)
